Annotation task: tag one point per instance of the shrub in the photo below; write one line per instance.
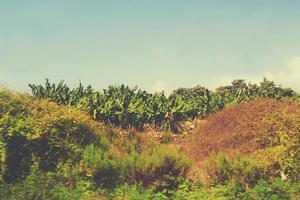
(40, 131)
(189, 191)
(133, 192)
(276, 190)
(284, 139)
(100, 166)
(157, 166)
(232, 191)
(224, 168)
(45, 185)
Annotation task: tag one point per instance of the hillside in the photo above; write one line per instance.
(48, 151)
(243, 128)
(54, 151)
(267, 131)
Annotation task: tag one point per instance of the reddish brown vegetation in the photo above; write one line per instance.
(235, 128)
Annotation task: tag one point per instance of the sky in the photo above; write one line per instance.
(155, 44)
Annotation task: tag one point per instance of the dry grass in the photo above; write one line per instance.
(235, 129)
(241, 128)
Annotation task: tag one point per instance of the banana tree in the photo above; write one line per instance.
(176, 112)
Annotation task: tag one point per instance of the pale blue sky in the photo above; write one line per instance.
(155, 44)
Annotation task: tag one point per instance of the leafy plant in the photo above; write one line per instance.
(133, 108)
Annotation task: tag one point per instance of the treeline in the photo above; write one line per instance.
(135, 108)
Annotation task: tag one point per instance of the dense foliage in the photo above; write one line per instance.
(131, 107)
(54, 152)
(50, 148)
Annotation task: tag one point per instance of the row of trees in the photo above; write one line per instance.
(134, 108)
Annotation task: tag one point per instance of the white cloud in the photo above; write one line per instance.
(289, 76)
(159, 86)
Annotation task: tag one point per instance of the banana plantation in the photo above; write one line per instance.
(127, 107)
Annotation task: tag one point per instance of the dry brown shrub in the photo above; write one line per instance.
(237, 128)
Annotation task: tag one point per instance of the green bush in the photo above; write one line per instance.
(40, 131)
(157, 166)
(284, 139)
(101, 166)
(45, 185)
(224, 168)
(132, 192)
(231, 191)
(277, 190)
(189, 191)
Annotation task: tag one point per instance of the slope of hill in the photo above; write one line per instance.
(266, 130)
(243, 127)
(50, 151)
